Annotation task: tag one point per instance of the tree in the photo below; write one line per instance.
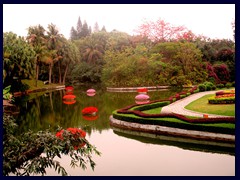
(103, 29)
(161, 31)
(18, 58)
(79, 28)
(54, 45)
(85, 30)
(73, 34)
(70, 55)
(31, 153)
(37, 39)
(96, 27)
(185, 60)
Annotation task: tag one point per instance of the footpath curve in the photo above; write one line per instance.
(178, 106)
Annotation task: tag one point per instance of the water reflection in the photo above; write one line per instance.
(184, 143)
(44, 110)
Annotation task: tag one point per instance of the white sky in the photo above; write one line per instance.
(211, 20)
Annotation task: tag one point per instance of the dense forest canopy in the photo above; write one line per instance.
(160, 54)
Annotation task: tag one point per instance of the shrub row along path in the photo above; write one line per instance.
(178, 106)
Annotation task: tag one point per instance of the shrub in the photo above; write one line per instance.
(202, 87)
(208, 87)
(233, 84)
(227, 100)
(220, 86)
(228, 85)
(214, 87)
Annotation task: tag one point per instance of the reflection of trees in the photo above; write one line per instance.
(48, 111)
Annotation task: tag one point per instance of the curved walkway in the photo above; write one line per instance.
(178, 106)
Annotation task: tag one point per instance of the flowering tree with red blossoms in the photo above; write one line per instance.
(161, 31)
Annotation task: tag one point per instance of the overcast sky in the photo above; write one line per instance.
(211, 20)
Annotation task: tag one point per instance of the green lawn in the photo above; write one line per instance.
(202, 105)
(153, 111)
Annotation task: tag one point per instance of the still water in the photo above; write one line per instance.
(123, 153)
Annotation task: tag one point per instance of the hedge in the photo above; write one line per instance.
(229, 100)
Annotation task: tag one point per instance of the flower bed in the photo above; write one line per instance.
(133, 113)
(223, 97)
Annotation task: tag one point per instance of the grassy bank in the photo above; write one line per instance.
(40, 84)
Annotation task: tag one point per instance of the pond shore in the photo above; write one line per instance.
(39, 90)
(156, 129)
(131, 89)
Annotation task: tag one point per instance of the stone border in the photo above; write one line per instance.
(172, 131)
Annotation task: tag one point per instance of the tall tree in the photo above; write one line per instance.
(85, 30)
(37, 38)
(79, 27)
(54, 45)
(73, 34)
(18, 58)
(96, 27)
(161, 31)
(104, 29)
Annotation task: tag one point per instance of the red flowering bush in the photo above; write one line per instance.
(76, 132)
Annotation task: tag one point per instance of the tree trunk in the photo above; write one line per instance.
(60, 75)
(65, 74)
(37, 71)
(50, 73)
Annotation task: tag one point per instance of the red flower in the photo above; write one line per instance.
(76, 132)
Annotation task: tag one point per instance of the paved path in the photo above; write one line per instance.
(178, 106)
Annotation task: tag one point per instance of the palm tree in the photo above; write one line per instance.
(36, 37)
(93, 51)
(55, 43)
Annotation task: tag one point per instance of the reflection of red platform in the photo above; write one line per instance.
(90, 113)
(69, 102)
(76, 132)
(90, 118)
(69, 96)
(142, 91)
(69, 99)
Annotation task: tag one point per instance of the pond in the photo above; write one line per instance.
(123, 153)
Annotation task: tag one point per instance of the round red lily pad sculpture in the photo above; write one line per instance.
(91, 92)
(90, 113)
(76, 132)
(142, 99)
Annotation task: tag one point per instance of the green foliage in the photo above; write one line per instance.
(31, 153)
(6, 93)
(18, 59)
(220, 86)
(228, 85)
(202, 87)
